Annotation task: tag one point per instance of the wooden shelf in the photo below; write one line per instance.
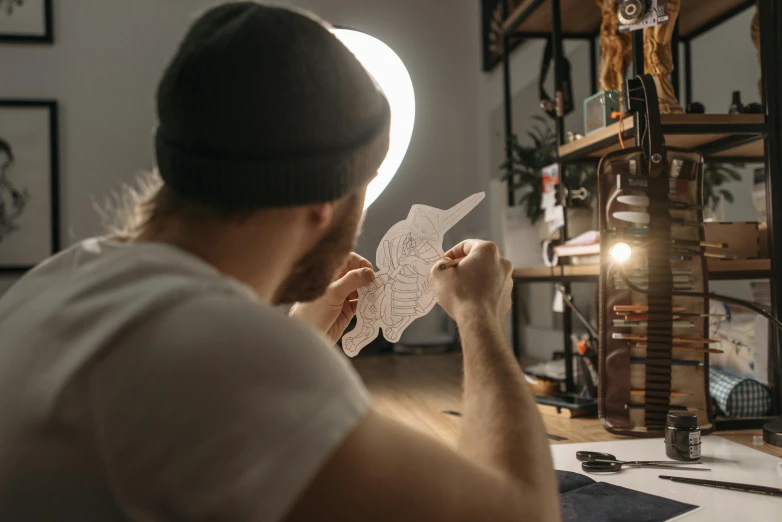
(689, 131)
(534, 16)
(583, 16)
(696, 16)
(718, 270)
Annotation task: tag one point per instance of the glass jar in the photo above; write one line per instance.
(682, 436)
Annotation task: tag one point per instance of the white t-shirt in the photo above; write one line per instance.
(138, 383)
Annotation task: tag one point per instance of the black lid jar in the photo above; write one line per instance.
(682, 436)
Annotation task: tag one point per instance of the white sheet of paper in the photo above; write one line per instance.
(557, 220)
(549, 206)
(402, 291)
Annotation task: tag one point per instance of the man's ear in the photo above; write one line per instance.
(320, 216)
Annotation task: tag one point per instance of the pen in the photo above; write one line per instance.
(733, 486)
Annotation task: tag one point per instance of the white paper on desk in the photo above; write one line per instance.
(728, 461)
(402, 290)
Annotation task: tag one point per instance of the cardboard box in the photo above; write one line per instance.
(745, 240)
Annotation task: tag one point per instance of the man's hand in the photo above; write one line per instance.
(332, 312)
(479, 285)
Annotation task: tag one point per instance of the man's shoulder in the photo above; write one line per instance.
(226, 324)
(232, 315)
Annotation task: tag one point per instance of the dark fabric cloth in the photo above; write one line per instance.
(263, 106)
(584, 500)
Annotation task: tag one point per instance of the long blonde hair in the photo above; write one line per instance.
(147, 201)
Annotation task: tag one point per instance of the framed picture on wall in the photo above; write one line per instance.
(26, 21)
(29, 188)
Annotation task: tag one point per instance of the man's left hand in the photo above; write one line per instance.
(332, 312)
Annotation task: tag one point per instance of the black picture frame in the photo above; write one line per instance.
(48, 29)
(51, 106)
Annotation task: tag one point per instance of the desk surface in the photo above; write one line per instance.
(727, 460)
(416, 389)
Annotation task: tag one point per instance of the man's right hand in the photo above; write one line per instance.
(479, 286)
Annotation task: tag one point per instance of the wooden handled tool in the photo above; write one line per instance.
(643, 308)
(694, 349)
(634, 337)
(652, 392)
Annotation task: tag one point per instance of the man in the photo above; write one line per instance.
(147, 377)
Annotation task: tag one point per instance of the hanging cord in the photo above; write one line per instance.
(568, 299)
(755, 307)
(621, 116)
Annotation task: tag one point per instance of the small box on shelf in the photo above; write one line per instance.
(741, 240)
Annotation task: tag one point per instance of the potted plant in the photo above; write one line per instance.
(715, 175)
(525, 171)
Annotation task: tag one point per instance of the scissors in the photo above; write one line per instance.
(594, 462)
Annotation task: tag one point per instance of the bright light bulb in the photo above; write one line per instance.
(620, 252)
(390, 73)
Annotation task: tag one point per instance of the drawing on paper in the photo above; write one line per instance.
(12, 199)
(402, 290)
(8, 5)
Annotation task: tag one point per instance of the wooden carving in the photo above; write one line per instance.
(658, 59)
(616, 49)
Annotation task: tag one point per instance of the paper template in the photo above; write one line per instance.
(402, 290)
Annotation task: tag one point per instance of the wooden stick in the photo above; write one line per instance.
(679, 315)
(643, 308)
(659, 394)
(634, 337)
(695, 349)
(695, 242)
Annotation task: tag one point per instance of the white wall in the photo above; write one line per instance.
(109, 54)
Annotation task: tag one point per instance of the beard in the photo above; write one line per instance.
(315, 271)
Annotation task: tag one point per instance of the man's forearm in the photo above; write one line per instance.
(501, 427)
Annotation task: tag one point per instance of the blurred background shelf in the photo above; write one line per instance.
(738, 136)
(582, 17)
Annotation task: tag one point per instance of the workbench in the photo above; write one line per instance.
(417, 389)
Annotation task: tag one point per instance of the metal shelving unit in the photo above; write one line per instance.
(744, 138)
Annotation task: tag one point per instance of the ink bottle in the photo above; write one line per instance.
(682, 436)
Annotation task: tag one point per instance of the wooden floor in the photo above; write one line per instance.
(417, 389)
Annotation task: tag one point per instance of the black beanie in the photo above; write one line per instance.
(263, 106)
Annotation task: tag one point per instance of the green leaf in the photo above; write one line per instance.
(727, 195)
(735, 175)
(535, 139)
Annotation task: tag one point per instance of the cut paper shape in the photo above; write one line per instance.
(402, 290)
